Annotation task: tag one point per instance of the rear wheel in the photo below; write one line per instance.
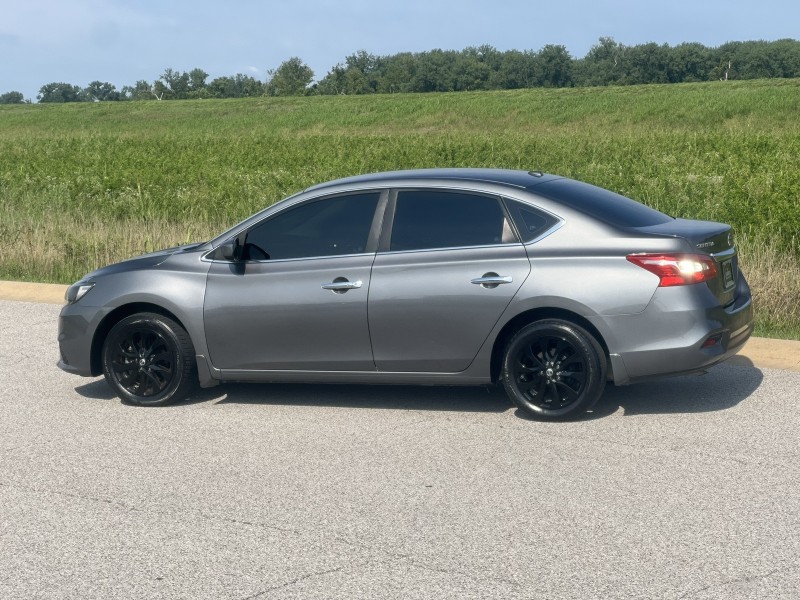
(148, 359)
(553, 369)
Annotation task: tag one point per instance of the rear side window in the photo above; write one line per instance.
(427, 219)
(601, 204)
(531, 223)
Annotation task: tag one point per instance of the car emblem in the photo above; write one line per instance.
(730, 239)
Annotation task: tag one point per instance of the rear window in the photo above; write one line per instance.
(602, 204)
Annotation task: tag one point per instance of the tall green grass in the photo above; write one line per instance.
(85, 184)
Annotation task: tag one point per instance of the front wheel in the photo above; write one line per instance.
(148, 359)
(553, 369)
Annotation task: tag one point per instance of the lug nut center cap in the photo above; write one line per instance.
(142, 362)
(549, 372)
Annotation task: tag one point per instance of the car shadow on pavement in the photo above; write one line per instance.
(397, 397)
(721, 388)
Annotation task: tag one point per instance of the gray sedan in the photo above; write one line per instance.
(445, 276)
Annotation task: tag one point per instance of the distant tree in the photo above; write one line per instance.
(238, 86)
(141, 90)
(58, 92)
(334, 83)
(516, 70)
(197, 84)
(434, 71)
(397, 73)
(553, 67)
(101, 91)
(172, 85)
(785, 58)
(603, 64)
(361, 73)
(12, 98)
(689, 62)
(291, 78)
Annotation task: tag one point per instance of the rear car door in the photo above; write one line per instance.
(298, 299)
(448, 265)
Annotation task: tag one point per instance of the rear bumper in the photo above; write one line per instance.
(668, 337)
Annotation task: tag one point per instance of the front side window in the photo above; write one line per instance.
(428, 219)
(329, 227)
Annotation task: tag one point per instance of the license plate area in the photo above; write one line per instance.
(728, 279)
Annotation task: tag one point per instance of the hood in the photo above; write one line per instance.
(145, 261)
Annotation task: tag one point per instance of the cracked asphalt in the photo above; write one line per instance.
(680, 488)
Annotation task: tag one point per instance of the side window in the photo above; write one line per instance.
(328, 227)
(531, 222)
(426, 219)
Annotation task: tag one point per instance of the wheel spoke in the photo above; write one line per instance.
(123, 367)
(566, 394)
(160, 368)
(536, 364)
(578, 377)
(540, 390)
(154, 380)
(553, 397)
(163, 356)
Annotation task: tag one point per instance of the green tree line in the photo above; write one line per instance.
(475, 68)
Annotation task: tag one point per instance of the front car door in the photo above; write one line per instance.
(448, 266)
(298, 298)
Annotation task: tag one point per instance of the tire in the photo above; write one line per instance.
(148, 359)
(553, 370)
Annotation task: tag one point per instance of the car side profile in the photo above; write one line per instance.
(547, 285)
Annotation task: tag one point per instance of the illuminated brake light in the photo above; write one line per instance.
(677, 269)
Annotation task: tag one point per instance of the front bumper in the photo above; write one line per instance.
(76, 327)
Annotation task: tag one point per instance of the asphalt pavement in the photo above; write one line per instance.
(682, 488)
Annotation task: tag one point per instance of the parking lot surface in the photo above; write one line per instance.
(680, 488)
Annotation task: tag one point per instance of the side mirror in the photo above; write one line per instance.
(231, 250)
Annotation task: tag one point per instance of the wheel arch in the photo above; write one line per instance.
(114, 317)
(538, 314)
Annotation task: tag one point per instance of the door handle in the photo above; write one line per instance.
(341, 285)
(492, 280)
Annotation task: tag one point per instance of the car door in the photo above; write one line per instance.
(297, 300)
(448, 266)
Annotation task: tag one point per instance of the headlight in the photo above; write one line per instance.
(77, 291)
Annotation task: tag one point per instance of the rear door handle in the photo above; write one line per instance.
(492, 280)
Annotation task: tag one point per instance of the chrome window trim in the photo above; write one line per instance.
(507, 245)
(205, 258)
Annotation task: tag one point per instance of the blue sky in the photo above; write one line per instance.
(78, 41)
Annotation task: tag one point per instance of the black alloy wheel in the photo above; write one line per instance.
(553, 369)
(149, 360)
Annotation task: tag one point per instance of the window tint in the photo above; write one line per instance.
(601, 204)
(433, 219)
(531, 223)
(329, 227)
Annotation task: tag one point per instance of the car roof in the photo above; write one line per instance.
(513, 178)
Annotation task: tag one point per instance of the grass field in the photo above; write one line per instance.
(85, 184)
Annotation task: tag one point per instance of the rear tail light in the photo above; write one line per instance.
(677, 269)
